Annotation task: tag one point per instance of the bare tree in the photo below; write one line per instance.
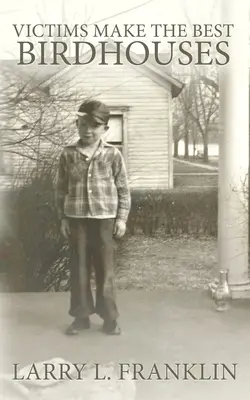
(202, 104)
(35, 124)
(178, 124)
(205, 105)
(198, 106)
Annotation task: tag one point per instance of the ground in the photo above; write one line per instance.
(212, 161)
(167, 326)
(195, 173)
(191, 167)
(166, 317)
(166, 263)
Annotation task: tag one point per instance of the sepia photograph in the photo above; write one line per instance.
(124, 204)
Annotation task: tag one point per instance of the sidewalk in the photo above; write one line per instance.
(158, 327)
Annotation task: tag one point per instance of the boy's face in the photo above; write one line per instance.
(89, 130)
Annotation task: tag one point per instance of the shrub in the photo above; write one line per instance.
(176, 212)
(35, 247)
(38, 256)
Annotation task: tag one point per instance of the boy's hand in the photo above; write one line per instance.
(119, 228)
(65, 228)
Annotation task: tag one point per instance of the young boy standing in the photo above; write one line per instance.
(93, 202)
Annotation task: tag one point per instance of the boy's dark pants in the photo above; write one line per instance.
(92, 243)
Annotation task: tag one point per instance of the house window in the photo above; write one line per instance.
(115, 134)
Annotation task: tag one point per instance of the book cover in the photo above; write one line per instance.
(124, 117)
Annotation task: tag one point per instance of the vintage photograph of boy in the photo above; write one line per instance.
(93, 203)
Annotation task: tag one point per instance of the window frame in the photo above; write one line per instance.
(123, 112)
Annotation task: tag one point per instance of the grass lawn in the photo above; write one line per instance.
(204, 177)
(213, 161)
(196, 180)
(180, 168)
(166, 263)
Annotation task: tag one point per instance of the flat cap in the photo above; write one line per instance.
(95, 109)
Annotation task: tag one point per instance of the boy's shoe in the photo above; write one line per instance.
(78, 325)
(111, 327)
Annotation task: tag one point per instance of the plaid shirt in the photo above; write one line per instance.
(92, 188)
